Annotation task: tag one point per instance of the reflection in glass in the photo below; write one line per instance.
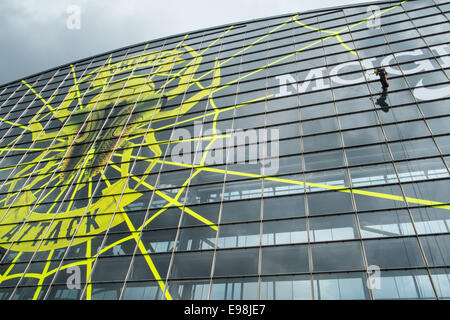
(340, 286)
(284, 207)
(373, 175)
(362, 136)
(393, 253)
(246, 210)
(336, 256)
(381, 101)
(238, 235)
(368, 154)
(436, 190)
(430, 220)
(329, 202)
(235, 289)
(189, 290)
(191, 265)
(404, 284)
(413, 149)
(142, 291)
(376, 198)
(441, 280)
(385, 224)
(284, 259)
(106, 291)
(285, 288)
(324, 160)
(198, 238)
(284, 232)
(421, 169)
(406, 130)
(437, 249)
(236, 262)
(321, 142)
(339, 227)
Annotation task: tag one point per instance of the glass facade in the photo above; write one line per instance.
(258, 160)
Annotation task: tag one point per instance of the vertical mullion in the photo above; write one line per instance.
(30, 261)
(30, 177)
(130, 267)
(105, 237)
(355, 208)
(392, 157)
(225, 179)
(261, 207)
(80, 172)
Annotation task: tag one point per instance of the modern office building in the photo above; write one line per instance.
(257, 160)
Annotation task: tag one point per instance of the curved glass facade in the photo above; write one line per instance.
(259, 160)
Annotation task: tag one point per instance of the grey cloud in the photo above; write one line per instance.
(34, 35)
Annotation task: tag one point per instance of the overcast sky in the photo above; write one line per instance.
(34, 35)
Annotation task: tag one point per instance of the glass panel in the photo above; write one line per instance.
(406, 130)
(284, 259)
(421, 169)
(413, 149)
(239, 235)
(393, 253)
(439, 125)
(433, 190)
(322, 110)
(321, 142)
(106, 291)
(329, 202)
(373, 175)
(396, 114)
(435, 108)
(144, 269)
(236, 262)
(319, 126)
(199, 238)
(284, 207)
(189, 290)
(284, 232)
(61, 293)
(340, 227)
(363, 119)
(375, 198)
(362, 136)
(431, 220)
(336, 256)
(437, 249)
(111, 268)
(235, 289)
(149, 290)
(192, 265)
(441, 280)
(340, 286)
(444, 144)
(404, 284)
(285, 288)
(325, 179)
(324, 160)
(385, 224)
(369, 154)
(159, 240)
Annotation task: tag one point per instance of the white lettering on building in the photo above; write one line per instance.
(289, 85)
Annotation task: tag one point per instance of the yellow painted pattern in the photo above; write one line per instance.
(18, 204)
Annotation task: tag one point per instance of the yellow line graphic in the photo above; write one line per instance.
(187, 60)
